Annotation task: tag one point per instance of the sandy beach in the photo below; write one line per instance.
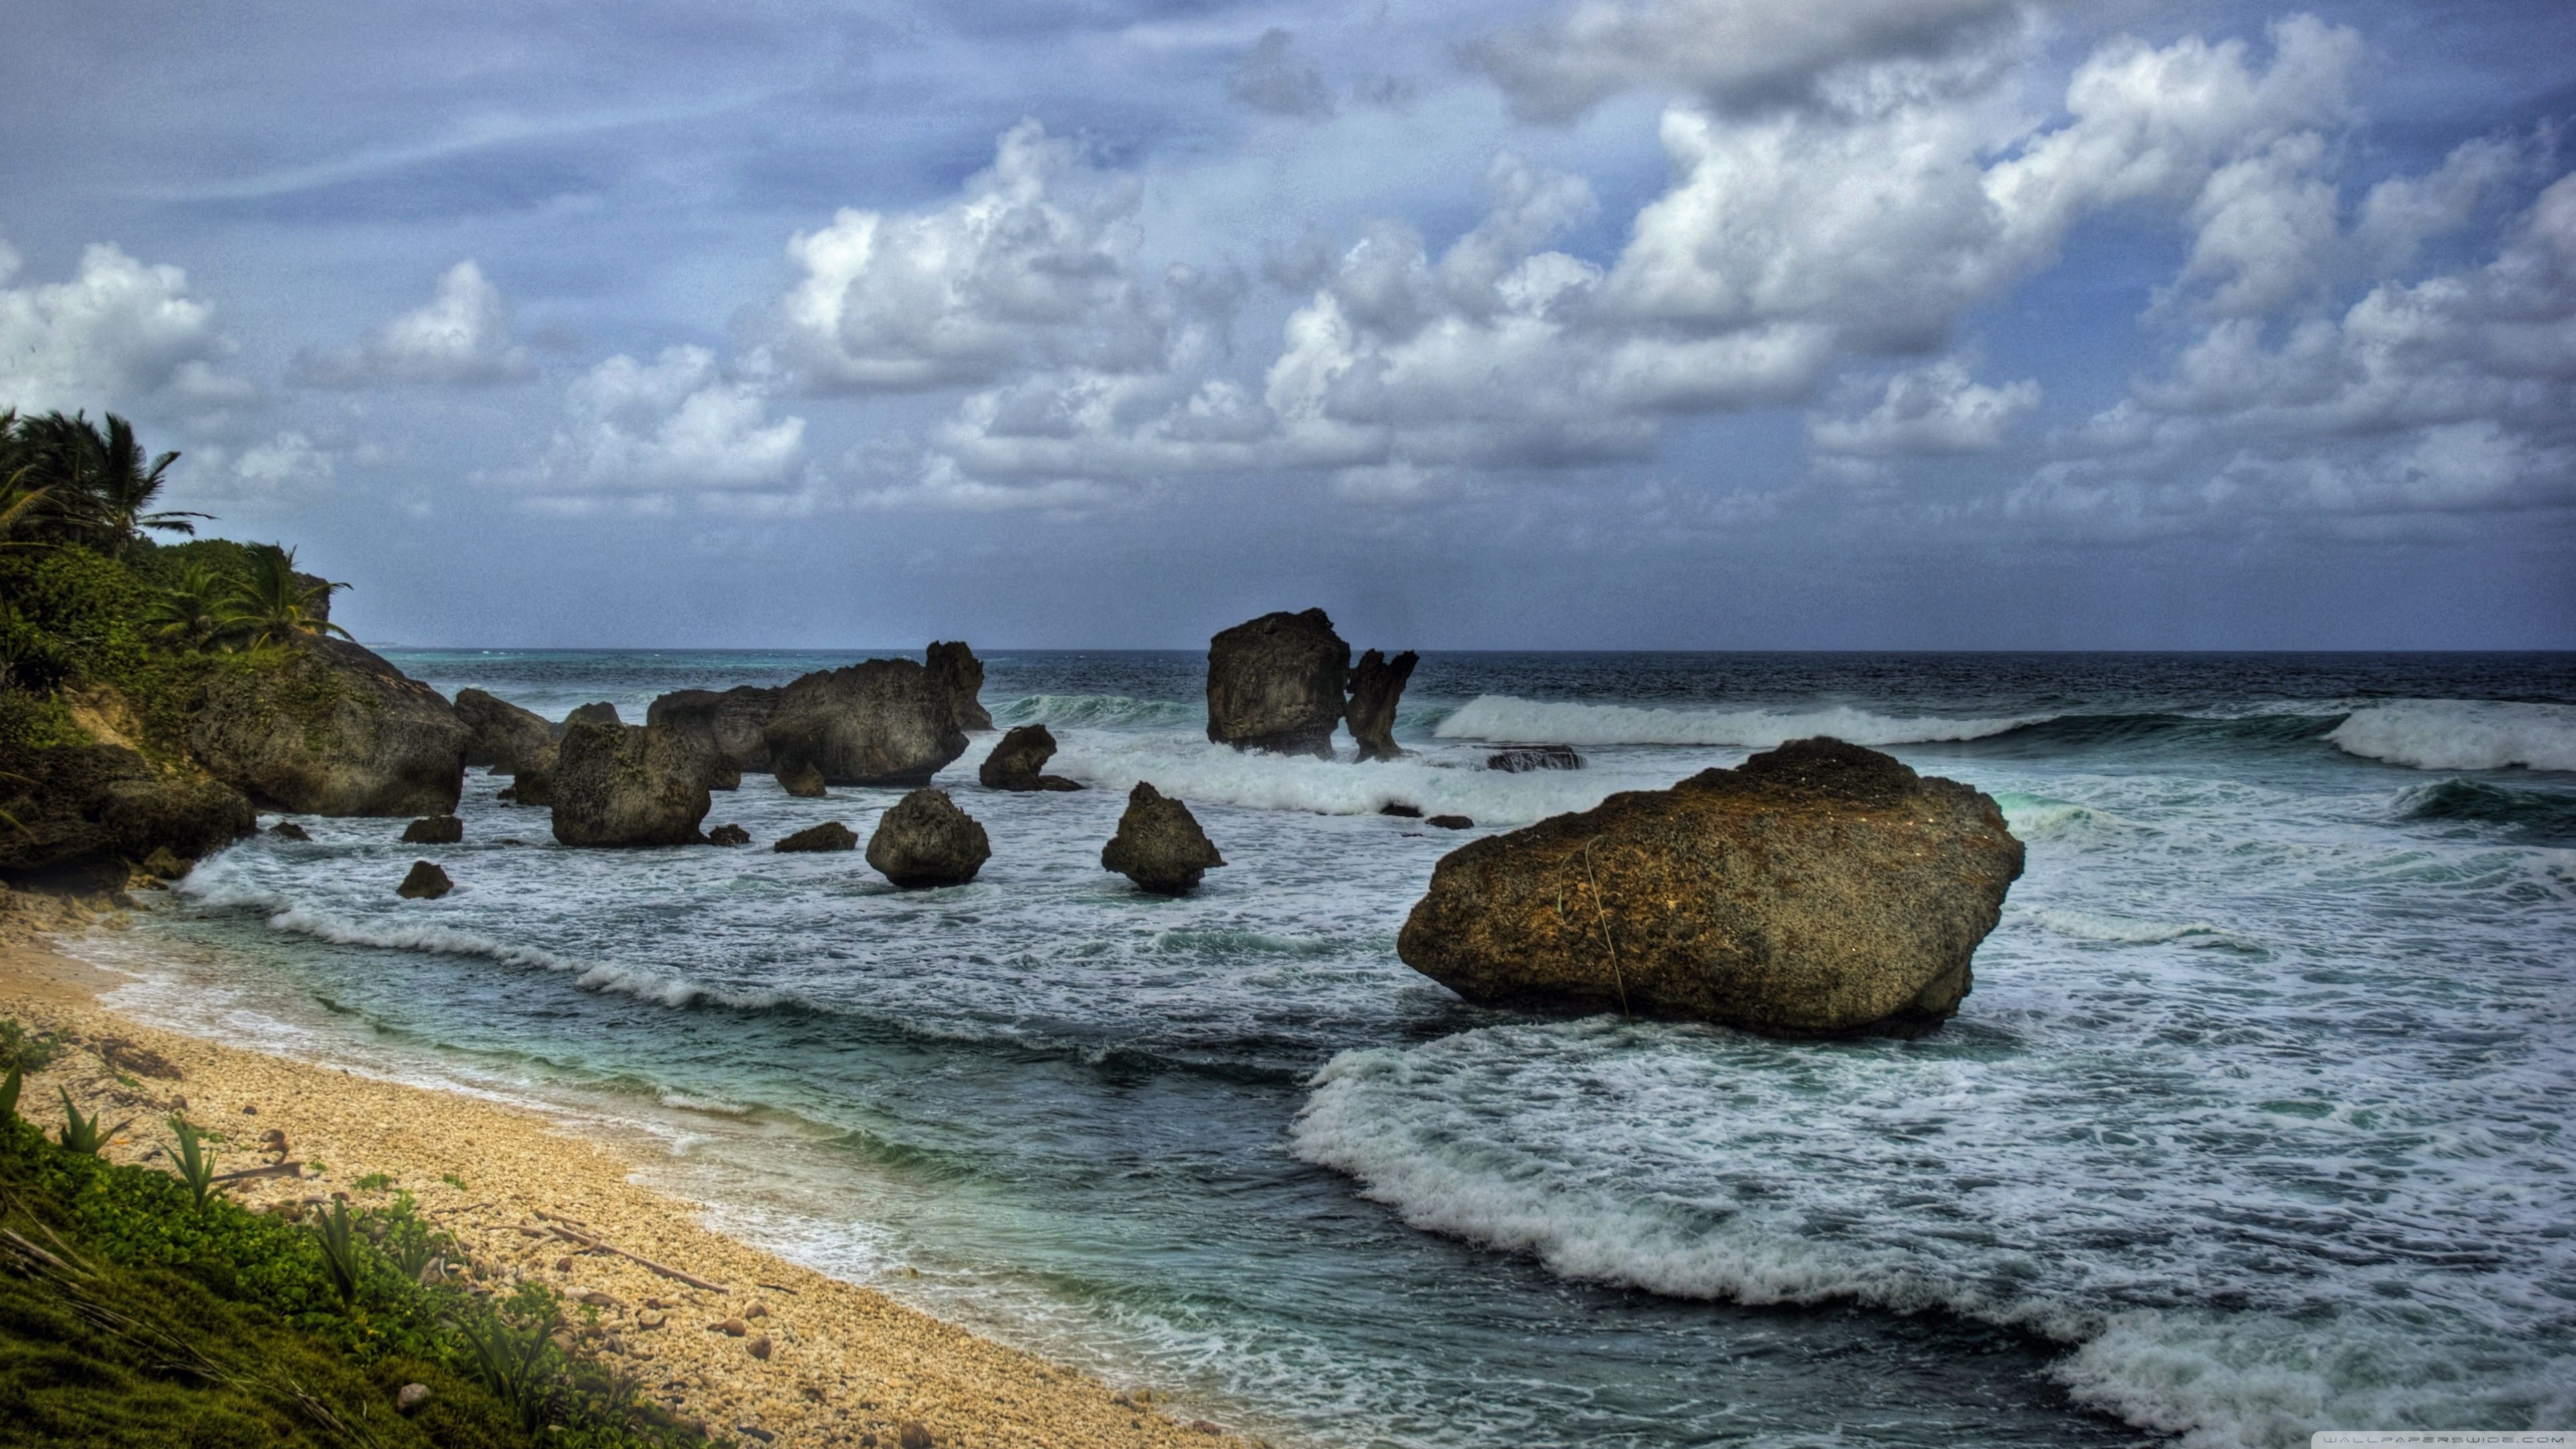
(754, 1343)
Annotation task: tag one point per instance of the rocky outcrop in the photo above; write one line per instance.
(813, 840)
(727, 724)
(1016, 762)
(728, 835)
(881, 722)
(1819, 889)
(603, 712)
(925, 840)
(1159, 844)
(1275, 683)
(502, 736)
(323, 727)
(627, 785)
(426, 882)
(1376, 683)
(1450, 822)
(289, 830)
(801, 780)
(96, 806)
(434, 830)
(1517, 759)
(961, 674)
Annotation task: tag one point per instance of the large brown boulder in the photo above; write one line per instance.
(1016, 762)
(90, 805)
(1376, 685)
(925, 840)
(321, 726)
(1820, 889)
(962, 675)
(881, 722)
(727, 723)
(1275, 683)
(625, 785)
(501, 735)
(1159, 844)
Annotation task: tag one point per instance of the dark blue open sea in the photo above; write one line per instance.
(2258, 1121)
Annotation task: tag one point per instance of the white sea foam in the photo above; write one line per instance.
(1197, 770)
(2462, 734)
(2125, 930)
(1707, 1165)
(1502, 717)
(1097, 711)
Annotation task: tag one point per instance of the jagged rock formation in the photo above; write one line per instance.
(501, 736)
(1376, 683)
(1818, 889)
(1275, 683)
(925, 840)
(728, 835)
(961, 674)
(289, 830)
(726, 724)
(426, 882)
(1159, 844)
(881, 722)
(830, 835)
(603, 712)
(91, 806)
(323, 727)
(1016, 762)
(627, 785)
(434, 830)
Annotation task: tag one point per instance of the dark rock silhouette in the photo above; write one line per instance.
(1450, 822)
(728, 835)
(1275, 683)
(881, 722)
(601, 713)
(1159, 844)
(627, 785)
(1376, 683)
(961, 674)
(1819, 889)
(323, 727)
(434, 830)
(802, 781)
(289, 830)
(1400, 810)
(925, 840)
(94, 805)
(1016, 761)
(502, 736)
(815, 839)
(426, 882)
(727, 724)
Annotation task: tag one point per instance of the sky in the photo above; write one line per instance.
(1618, 324)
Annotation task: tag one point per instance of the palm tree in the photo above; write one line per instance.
(275, 604)
(190, 612)
(100, 483)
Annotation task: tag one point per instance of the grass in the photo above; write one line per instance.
(142, 1308)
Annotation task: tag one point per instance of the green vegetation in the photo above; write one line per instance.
(21, 1052)
(88, 598)
(139, 1308)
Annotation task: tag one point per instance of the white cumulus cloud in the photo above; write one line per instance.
(676, 425)
(459, 337)
(120, 333)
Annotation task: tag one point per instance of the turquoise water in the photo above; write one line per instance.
(2255, 1123)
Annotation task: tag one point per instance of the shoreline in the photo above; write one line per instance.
(843, 1363)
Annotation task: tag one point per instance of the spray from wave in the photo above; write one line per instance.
(1503, 717)
(2462, 734)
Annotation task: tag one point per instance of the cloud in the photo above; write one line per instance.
(1790, 246)
(676, 425)
(1933, 409)
(2454, 394)
(119, 334)
(285, 471)
(1728, 54)
(1272, 80)
(459, 338)
(1032, 264)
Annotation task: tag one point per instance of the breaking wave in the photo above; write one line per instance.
(1503, 717)
(2462, 734)
(2195, 1296)
(1099, 711)
(2539, 815)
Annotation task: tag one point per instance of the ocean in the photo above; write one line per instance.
(2257, 1121)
